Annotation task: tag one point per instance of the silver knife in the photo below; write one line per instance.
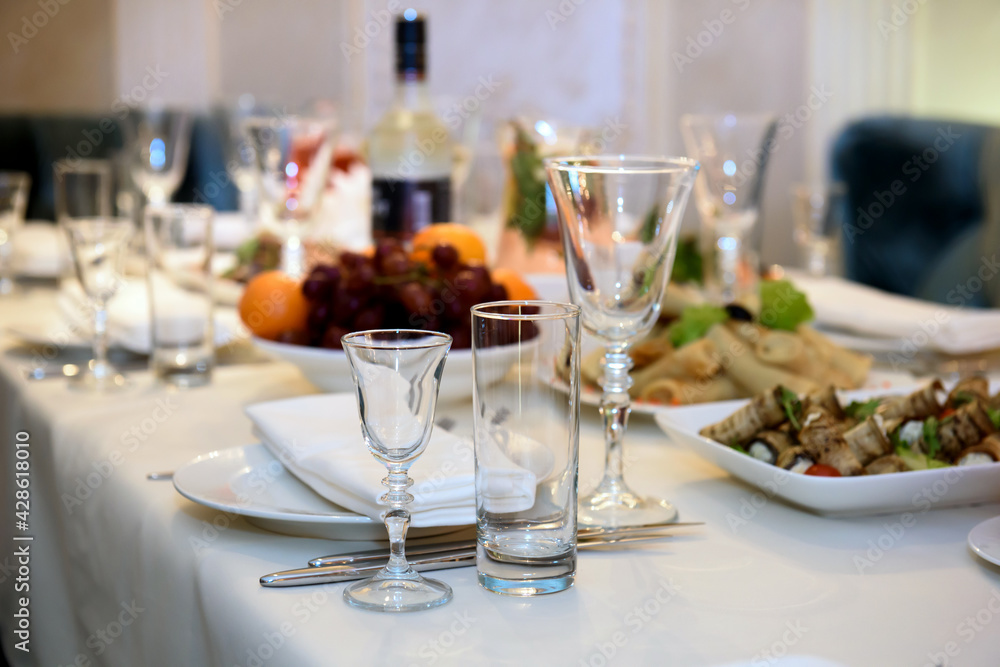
(338, 573)
(442, 548)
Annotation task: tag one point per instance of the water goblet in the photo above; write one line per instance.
(14, 188)
(157, 141)
(397, 374)
(98, 247)
(733, 151)
(619, 218)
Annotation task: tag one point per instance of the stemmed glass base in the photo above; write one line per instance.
(403, 592)
(614, 508)
(99, 377)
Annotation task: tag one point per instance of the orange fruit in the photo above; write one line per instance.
(272, 304)
(517, 288)
(471, 249)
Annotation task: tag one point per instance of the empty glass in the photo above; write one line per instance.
(83, 189)
(157, 142)
(179, 282)
(527, 445)
(14, 188)
(619, 218)
(98, 247)
(733, 151)
(819, 214)
(397, 374)
(292, 156)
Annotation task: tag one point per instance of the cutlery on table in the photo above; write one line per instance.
(440, 560)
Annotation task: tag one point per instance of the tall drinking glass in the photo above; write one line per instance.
(292, 156)
(397, 374)
(157, 143)
(14, 188)
(818, 214)
(619, 218)
(98, 247)
(527, 445)
(733, 151)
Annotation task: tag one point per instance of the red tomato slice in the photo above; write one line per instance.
(946, 413)
(822, 470)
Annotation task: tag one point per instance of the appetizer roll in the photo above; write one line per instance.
(768, 446)
(886, 464)
(966, 427)
(987, 451)
(867, 441)
(763, 411)
(825, 444)
(795, 459)
(968, 389)
(918, 405)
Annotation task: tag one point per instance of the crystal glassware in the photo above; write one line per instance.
(14, 188)
(619, 218)
(292, 156)
(733, 151)
(98, 247)
(397, 374)
(818, 214)
(157, 143)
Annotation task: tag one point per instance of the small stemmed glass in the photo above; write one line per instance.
(397, 374)
(619, 218)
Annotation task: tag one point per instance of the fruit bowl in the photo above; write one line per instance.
(330, 371)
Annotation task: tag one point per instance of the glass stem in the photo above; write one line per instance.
(615, 409)
(100, 340)
(397, 520)
(730, 252)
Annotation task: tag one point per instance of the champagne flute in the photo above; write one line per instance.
(397, 374)
(619, 218)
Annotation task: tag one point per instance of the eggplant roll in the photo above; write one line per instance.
(976, 386)
(767, 446)
(987, 451)
(918, 405)
(886, 464)
(967, 427)
(827, 400)
(795, 459)
(867, 441)
(763, 411)
(825, 444)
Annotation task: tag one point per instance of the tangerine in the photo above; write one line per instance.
(517, 288)
(471, 249)
(272, 304)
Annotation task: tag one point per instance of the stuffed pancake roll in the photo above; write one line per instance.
(968, 389)
(825, 444)
(918, 405)
(764, 411)
(768, 446)
(886, 464)
(795, 459)
(867, 441)
(987, 451)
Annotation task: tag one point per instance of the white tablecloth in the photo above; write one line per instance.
(136, 575)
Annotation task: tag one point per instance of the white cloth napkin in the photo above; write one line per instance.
(318, 438)
(40, 251)
(842, 304)
(128, 315)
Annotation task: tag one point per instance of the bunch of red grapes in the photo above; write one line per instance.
(391, 291)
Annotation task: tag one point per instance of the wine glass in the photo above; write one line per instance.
(14, 188)
(292, 156)
(619, 218)
(733, 151)
(397, 374)
(819, 213)
(98, 247)
(157, 141)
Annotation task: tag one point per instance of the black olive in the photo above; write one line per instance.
(739, 313)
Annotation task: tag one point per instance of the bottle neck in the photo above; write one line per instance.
(412, 91)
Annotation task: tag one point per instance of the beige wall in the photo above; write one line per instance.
(66, 65)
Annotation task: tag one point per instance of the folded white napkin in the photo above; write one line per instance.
(510, 467)
(40, 251)
(318, 438)
(229, 229)
(842, 304)
(128, 315)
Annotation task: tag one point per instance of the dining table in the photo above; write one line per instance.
(110, 567)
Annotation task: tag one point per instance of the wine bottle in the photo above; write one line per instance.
(409, 150)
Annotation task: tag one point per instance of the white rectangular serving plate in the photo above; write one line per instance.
(915, 491)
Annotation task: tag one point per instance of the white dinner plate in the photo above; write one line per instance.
(914, 491)
(984, 540)
(251, 482)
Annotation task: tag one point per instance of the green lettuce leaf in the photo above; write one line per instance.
(782, 306)
(694, 323)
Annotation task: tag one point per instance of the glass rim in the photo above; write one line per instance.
(67, 165)
(760, 116)
(442, 339)
(174, 208)
(622, 162)
(568, 310)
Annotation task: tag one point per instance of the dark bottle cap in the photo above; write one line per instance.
(410, 32)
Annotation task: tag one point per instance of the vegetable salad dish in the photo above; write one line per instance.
(815, 434)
